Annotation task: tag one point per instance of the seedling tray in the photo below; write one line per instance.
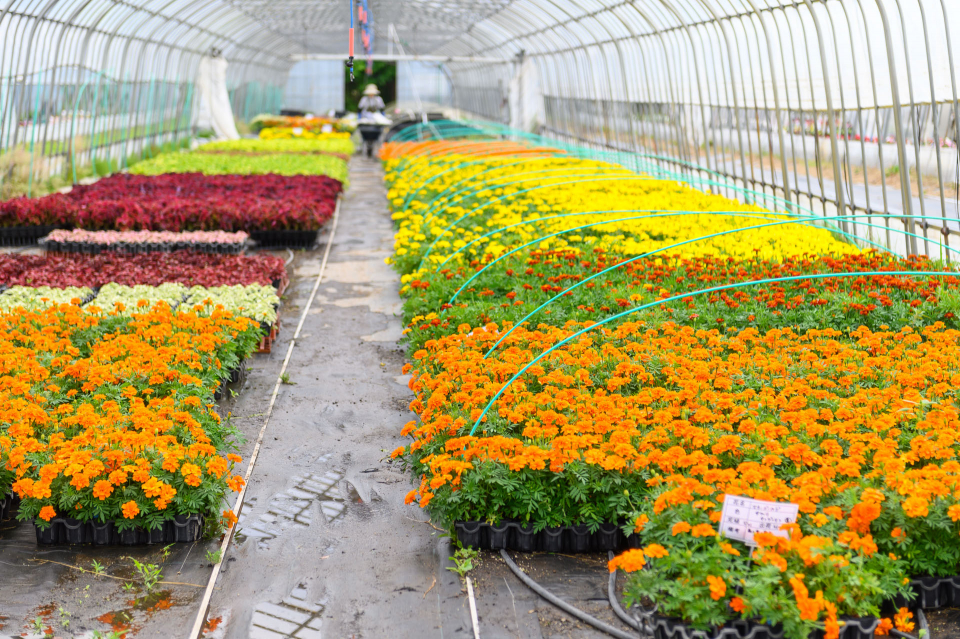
(8, 506)
(23, 235)
(672, 628)
(285, 239)
(124, 248)
(513, 535)
(63, 530)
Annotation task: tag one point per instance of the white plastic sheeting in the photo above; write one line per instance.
(215, 110)
(425, 81)
(526, 98)
(315, 86)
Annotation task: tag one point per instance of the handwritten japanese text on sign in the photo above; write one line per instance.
(743, 517)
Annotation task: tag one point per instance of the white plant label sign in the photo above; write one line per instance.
(743, 517)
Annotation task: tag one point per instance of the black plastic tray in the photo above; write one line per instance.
(513, 535)
(23, 235)
(62, 530)
(934, 592)
(8, 506)
(285, 239)
(670, 628)
(94, 248)
(232, 377)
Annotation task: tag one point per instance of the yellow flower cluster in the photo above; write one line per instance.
(465, 208)
(299, 133)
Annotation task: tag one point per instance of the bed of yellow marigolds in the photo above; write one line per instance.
(837, 395)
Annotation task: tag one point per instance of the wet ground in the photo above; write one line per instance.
(325, 546)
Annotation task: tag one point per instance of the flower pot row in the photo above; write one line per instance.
(934, 592)
(23, 235)
(285, 239)
(232, 377)
(131, 248)
(269, 336)
(513, 535)
(672, 628)
(8, 506)
(64, 530)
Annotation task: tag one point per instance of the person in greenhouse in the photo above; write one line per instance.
(371, 102)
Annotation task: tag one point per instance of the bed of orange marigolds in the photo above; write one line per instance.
(111, 417)
(837, 395)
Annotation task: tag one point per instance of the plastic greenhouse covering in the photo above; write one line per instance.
(599, 274)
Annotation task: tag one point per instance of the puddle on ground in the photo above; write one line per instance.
(294, 506)
(216, 627)
(121, 621)
(293, 617)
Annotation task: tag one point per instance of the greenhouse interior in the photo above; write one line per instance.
(479, 318)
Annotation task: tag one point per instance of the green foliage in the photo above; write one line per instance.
(221, 164)
(150, 574)
(463, 560)
(328, 145)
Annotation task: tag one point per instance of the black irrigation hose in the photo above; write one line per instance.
(563, 605)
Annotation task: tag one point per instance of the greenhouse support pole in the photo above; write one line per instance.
(126, 95)
(93, 128)
(776, 104)
(73, 130)
(33, 132)
(831, 120)
(898, 125)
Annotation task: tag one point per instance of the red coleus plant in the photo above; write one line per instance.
(184, 267)
(183, 202)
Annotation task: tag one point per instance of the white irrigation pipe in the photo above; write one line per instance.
(208, 593)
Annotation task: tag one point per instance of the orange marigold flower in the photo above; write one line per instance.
(235, 483)
(130, 509)
(915, 507)
(47, 513)
(229, 518)
(954, 512)
(834, 511)
(655, 551)
(884, 628)
(102, 489)
(680, 527)
(703, 530)
(630, 561)
(718, 587)
(640, 523)
(902, 620)
(729, 549)
(737, 604)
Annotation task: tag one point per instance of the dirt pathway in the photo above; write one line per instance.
(325, 543)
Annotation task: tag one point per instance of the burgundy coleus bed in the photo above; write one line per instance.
(185, 267)
(183, 202)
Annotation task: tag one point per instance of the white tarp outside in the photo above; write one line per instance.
(215, 112)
